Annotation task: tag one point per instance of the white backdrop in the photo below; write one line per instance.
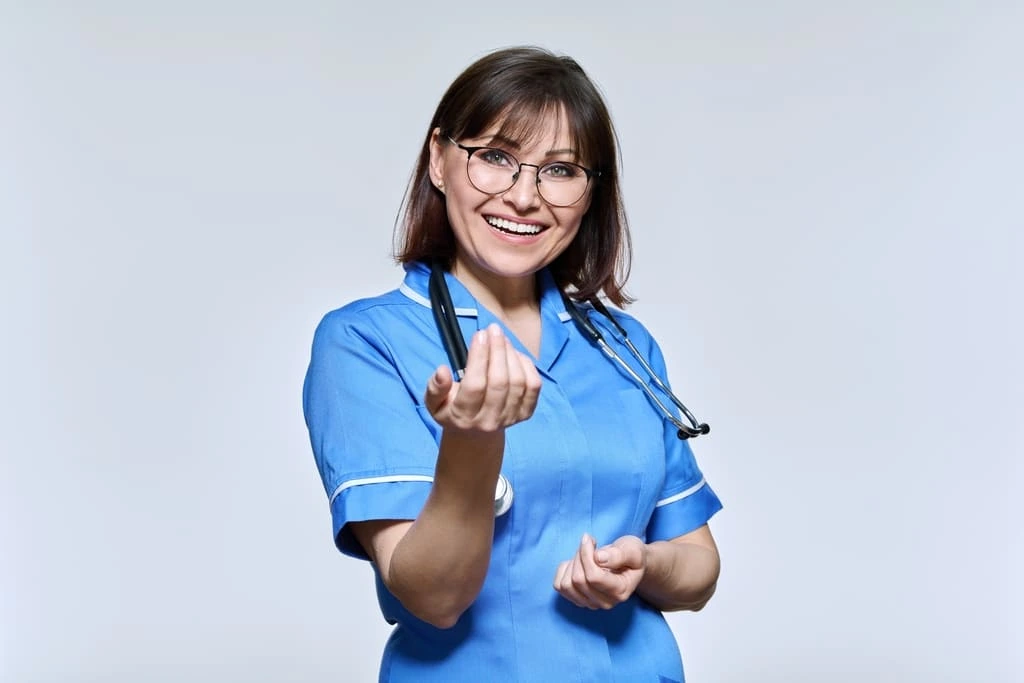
(825, 199)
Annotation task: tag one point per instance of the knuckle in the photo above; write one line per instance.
(461, 422)
(498, 384)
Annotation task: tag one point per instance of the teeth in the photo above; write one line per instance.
(509, 226)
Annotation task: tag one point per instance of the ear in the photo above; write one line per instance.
(437, 159)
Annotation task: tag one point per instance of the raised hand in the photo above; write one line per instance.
(499, 388)
(602, 578)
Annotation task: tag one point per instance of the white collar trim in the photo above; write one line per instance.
(424, 301)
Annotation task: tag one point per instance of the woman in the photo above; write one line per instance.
(515, 199)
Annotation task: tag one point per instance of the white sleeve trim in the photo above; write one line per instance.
(390, 479)
(682, 494)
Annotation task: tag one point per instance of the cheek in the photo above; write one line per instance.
(573, 221)
(459, 205)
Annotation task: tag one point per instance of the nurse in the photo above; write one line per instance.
(516, 198)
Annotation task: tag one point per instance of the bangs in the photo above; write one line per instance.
(523, 122)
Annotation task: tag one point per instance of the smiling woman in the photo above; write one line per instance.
(515, 210)
(503, 236)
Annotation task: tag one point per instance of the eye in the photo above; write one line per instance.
(495, 157)
(561, 171)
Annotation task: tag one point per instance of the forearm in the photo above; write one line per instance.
(680, 575)
(438, 566)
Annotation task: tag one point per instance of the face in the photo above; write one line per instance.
(506, 238)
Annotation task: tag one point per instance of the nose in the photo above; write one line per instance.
(524, 193)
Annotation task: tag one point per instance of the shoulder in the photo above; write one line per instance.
(366, 318)
(635, 330)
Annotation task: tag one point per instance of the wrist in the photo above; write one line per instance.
(469, 460)
(472, 443)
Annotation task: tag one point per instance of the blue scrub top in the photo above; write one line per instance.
(595, 457)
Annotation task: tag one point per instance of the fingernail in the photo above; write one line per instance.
(494, 330)
(601, 556)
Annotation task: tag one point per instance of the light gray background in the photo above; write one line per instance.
(825, 200)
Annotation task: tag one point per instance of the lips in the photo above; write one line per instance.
(512, 227)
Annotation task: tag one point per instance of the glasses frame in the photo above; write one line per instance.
(470, 151)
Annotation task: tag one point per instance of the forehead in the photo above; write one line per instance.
(549, 129)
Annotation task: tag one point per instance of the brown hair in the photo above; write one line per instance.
(516, 87)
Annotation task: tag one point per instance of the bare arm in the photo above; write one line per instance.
(436, 564)
(682, 573)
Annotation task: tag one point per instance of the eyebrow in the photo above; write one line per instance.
(501, 139)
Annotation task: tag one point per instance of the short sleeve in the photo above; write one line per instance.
(686, 501)
(373, 447)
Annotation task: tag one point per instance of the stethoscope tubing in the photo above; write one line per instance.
(447, 322)
(683, 431)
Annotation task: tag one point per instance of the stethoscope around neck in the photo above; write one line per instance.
(455, 346)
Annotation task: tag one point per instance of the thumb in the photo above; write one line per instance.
(609, 557)
(438, 386)
(619, 556)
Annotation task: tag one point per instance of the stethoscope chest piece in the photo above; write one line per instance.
(502, 496)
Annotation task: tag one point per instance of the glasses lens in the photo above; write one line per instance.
(562, 183)
(494, 171)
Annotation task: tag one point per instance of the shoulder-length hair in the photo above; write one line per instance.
(514, 88)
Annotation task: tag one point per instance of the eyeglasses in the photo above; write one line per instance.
(494, 171)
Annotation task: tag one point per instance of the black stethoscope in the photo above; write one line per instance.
(455, 346)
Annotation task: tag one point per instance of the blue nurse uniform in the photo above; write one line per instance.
(595, 457)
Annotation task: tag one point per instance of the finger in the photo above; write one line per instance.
(531, 391)
(474, 382)
(560, 575)
(570, 588)
(601, 583)
(438, 387)
(563, 582)
(497, 374)
(625, 553)
(583, 576)
(610, 557)
(586, 555)
(516, 384)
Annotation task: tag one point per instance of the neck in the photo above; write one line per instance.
(507, 298)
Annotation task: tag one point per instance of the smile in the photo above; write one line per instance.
(513, 228)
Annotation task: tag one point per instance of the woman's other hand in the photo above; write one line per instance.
(499, 388)
(600, 578)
